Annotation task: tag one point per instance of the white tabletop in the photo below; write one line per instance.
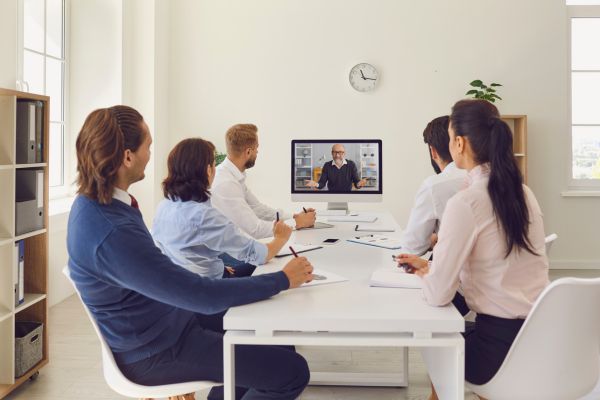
(351, 306)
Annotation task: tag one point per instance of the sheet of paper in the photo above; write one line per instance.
(395, 278)
(324, 277)
(377, 240)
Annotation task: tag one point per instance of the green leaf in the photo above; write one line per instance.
(472, 91)
(477, 83)
(495, 84)
(492, 90)
(496, 96)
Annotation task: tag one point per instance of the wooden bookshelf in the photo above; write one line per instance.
(518, 126)
(35, 306)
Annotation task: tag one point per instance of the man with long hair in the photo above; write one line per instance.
(162, 322)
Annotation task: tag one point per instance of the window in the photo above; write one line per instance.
(585, 102)
(42, 70)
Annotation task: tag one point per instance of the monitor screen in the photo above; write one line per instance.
(336, 166)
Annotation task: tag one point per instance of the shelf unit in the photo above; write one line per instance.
(518, 126)
(35, 306)
(302, 165)
(369, 164)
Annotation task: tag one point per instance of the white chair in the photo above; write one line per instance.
(549, 240)
(555, 354)
(120, 384)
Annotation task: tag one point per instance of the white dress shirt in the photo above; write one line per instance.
(233, 199)
(471, 250)
(428, 208)
(122, 195)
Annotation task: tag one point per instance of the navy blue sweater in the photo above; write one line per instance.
(140, 299)
(339, 179)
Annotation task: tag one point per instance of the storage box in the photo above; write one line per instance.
(28, 345)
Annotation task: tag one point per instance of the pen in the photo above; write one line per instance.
(293, 251)
(277, 214)
(304, 209)
(406, 267)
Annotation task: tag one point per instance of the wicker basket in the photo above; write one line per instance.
(28, 345)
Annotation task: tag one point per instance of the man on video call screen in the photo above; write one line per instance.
(342, 167)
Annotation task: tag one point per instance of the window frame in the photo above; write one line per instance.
(577, 11)
(66, 188)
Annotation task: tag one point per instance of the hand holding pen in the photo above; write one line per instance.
(305, 219)
(298, 270)
(406, 267)
(281, 230)
(412, 264)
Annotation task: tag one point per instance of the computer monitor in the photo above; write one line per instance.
(337, 171)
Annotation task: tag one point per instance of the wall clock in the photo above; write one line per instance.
(363, 77)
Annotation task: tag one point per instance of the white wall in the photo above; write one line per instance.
(95, 81)
(8, 43)
(145, 55)
(284, 65)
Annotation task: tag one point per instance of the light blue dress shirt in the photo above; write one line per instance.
(194, 234)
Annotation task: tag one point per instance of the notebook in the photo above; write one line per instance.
(377, 240)
(298, 248)
(374, 228)
(352, 218)
(395, 278)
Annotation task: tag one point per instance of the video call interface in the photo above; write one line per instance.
(336, 167)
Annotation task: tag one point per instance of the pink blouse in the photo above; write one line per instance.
(470, 253)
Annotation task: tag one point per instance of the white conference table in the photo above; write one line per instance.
(350, 313)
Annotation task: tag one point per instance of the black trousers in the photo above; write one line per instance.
(487, 342)
(261, 372)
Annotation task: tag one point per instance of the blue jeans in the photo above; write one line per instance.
(241, 268)
(261, 372)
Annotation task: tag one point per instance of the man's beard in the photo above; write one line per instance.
(250, 163)
(436, 168)
(338, 162)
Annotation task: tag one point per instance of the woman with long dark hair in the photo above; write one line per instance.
(490, 243)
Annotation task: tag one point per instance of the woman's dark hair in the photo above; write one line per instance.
(436, 135)
(187, 164)
(491, 141)
(101, 143)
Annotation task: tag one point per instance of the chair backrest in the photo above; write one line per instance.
(115, 378)
(549, 240)
(555, 354)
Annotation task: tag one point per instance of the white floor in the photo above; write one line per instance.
(75, 370)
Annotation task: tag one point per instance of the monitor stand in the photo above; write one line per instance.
(342, 207)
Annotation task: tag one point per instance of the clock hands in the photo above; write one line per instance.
(365, 78)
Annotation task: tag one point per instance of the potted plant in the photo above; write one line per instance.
(483, 91)
(219, 157)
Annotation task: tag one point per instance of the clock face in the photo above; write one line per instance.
(363, 77)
